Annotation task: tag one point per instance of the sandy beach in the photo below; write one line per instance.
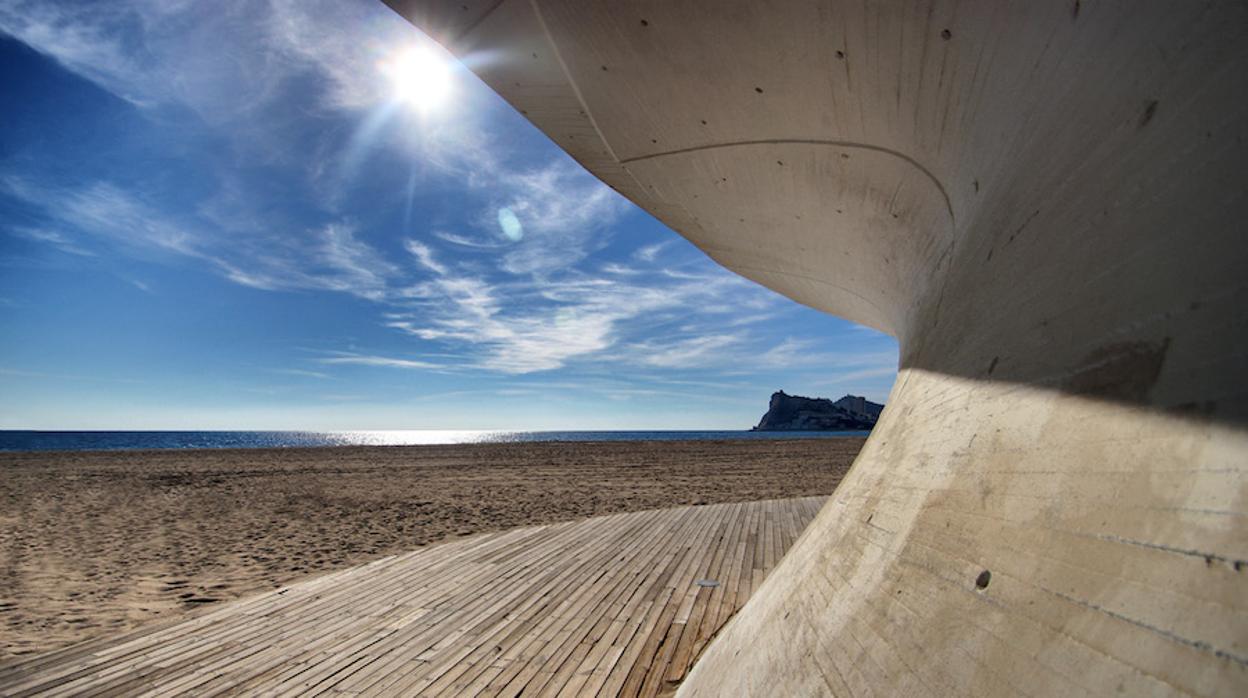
(100, 542)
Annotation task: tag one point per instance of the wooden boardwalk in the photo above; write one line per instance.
(614, 605)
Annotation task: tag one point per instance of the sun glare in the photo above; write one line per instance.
(419, 78)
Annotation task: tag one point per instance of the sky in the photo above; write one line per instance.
(293, 214)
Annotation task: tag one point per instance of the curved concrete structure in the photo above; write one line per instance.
(1046, 203)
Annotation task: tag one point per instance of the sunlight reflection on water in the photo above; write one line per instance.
(414, 437)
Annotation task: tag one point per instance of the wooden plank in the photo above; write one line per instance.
(572, 582)
(570, 685)
(655, 556)
(647, 676)
(693, 620)
(712, 617)
(610, 650)
(529, 679)
(603, 606)
(586, 597)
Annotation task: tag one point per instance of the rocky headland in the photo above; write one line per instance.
(797, 413)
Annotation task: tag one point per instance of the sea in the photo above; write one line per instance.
(142, 440)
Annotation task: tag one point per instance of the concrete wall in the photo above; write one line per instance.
(1047, 203)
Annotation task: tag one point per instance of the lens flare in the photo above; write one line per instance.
(510, 224)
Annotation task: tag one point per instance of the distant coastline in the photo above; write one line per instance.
(28, 440)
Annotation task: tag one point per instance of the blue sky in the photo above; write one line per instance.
(229, 215)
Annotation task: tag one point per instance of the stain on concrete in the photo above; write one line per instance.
(1027, 222)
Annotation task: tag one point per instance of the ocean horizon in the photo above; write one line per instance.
(34, 440)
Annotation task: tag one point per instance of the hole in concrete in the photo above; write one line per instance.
(1149, 110)
(840, 54)
(758, 90)
(704, 122)
(644, 23)
(981, 582)
(604, 68)
(946, 34)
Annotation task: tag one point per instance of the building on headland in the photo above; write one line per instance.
(796, 413)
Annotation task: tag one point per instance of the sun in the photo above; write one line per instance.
(419, 78)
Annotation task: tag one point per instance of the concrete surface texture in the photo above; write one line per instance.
(1045, 202)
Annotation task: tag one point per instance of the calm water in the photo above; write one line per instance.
(122, 440)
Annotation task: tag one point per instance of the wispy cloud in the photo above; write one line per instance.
(465, 241)
(703, 348)
(619, 269)
(106, 212)
(330, 257)
(53, 238)
(540, 322)
(564, 211)
(424, 256)
(382, 361)
(693, 352)
(303, 373)
(353, 266)
(650, 252)
(85, 40)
